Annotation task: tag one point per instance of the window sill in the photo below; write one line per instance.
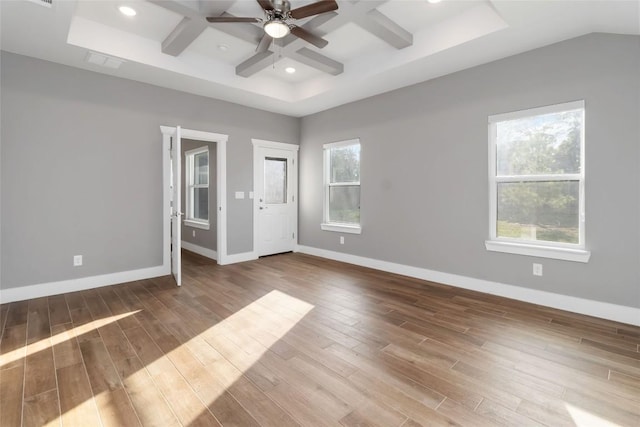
(342, 228)
(565, 254)
(196, 224)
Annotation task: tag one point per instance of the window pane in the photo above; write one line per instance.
(201, 203)
(543, 144)
(201, 172)
(539, 211)
(275, 180)
(345, 164)
(344, 204)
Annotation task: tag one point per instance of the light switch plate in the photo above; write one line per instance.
(239, 194)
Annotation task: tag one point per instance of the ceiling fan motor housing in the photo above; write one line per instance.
(276, 25)
(281, 11)
(282, 8)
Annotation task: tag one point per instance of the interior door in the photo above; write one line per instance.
(176, 208)
(276, 206)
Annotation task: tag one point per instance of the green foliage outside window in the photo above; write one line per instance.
(541, 145)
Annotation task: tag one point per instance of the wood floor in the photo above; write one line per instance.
(294, 340)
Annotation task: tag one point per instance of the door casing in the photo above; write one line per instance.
(221, 186)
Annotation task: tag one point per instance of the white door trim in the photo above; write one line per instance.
(293, 148)
(176, 211)
(262, 143)
(221, 185)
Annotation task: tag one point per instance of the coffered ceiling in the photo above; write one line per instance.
(374, 45)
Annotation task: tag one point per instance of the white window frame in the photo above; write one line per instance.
(326, 224)
(189, 158)
(554, 250)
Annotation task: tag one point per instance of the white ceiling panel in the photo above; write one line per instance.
(349, 42)
(151, 21)
(215, 44)
(415, 15)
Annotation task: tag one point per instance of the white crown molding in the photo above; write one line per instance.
(54, 288)
(618, 313)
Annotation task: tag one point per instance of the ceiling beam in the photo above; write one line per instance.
(290, 44)
(254, 64)
(250, 33)
(321, 24)
(192, 25)
(384, 28)
(327, 22)
(362, 12)
(182, 36)
(316, 60)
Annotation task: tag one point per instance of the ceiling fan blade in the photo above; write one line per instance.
(265, 4)
(305, 35)
(314, 9)
(264, 44)
(215, 19)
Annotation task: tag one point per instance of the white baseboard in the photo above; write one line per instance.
(84, 283)
(235, 258)
(205, 252)
(603, 310)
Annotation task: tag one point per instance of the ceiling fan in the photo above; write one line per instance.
(278, 13)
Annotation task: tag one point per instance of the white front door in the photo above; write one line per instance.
(176, 208)
(275, 188)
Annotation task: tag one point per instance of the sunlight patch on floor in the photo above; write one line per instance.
(583, 418)
(59, 338)
(253, 330)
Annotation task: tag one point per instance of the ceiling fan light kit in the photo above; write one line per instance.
(276, 28)
(278, 13)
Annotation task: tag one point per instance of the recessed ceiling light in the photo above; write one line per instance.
(290, 70)
(127, 11)
(223, 47)
(434, 1)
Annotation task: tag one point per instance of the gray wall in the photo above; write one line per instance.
(82, 168)
(203, 238)
(424, 168)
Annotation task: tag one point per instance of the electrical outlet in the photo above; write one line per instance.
(537, 269)
(77, 260)
(342, 240)
(194, 233)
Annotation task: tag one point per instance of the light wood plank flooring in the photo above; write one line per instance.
(294, 340)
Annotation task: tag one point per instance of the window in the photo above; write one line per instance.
(197, 184)
(342, 187)
(537, 182)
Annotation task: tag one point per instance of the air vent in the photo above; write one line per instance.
(103, 60)
(45, 3)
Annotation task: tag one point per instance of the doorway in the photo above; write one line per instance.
(275, 175)
(199, 225)
(172, 200)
